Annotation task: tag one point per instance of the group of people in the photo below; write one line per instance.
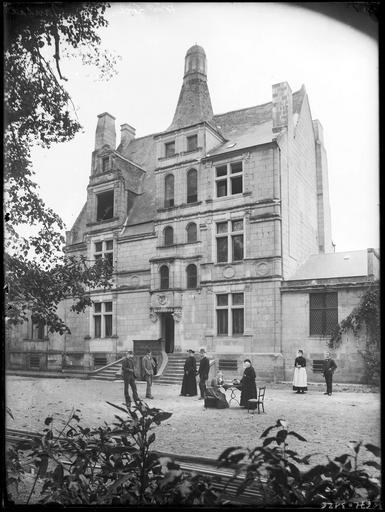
(247, 384)
(300, 375)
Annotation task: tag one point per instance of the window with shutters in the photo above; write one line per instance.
(323, 313)
(168, 236)
(230, 314)
(229, 179)
(105, 205)
(191, 232)
(164, 277)
(103, 319)
(229, 239)
(169, 191)
(192, 186)
(192, 276)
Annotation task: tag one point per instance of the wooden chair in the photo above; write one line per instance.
(256, 403)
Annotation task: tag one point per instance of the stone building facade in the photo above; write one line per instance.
(204, 223)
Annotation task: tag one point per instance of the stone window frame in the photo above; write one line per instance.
(191, 198)
(231, 306)
(169, 202)
(101, 312)
(104, 249)
(224, 175)
(189, 284)
(104, 192)
(163, 278)
(105, 163)
(230, 235)
(189, 139)
(327, 311)
(39, 330)
(167, 146)
(188, 236)
(171, 241)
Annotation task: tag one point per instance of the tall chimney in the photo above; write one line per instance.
(127, 133)
(282, 107)
(105, 131)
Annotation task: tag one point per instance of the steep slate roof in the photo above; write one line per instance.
(245, 127)
(331, 265)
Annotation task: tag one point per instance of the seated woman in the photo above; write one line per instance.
(248, 386)
(214, 397)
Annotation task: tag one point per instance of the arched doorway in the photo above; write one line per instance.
(167, 331)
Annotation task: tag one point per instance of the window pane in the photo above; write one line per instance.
(105, 208)
(236, 185)
(107, 306)
(169, 191)
(317, 300)
(192, 232)
(164, 277)
(236, 167)
(222, 250)
(316, 316)
(109, 245)
(98, 246)
(192, 142)
(97, 326)
(191, 276)
(192, 186)
(237, 321)
(98, 307)
(110, 258)
(331, 300)
(237, 225)
(222, 227)
(108, 325)
(222, 299)
(237, 247)
(170, 148)
(221, 171)
(237, 299)
(222, 321)
(98, 257)
(331, 320)
(168, 236)
(222, 188)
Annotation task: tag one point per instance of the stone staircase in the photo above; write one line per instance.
(173, 373)
(111, 372)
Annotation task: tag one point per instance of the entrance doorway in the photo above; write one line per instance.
(167, 331)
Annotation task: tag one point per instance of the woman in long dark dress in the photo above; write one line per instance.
(189, 383)
(249, 388)
(300, 375)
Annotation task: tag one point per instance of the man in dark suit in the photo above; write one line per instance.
(128, 372)
(329, 368)
(203, 372)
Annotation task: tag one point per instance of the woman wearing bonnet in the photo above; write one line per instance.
(249, 388)
(300, 375)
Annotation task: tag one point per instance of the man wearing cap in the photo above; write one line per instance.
(148, 365)
(128, 372)
(189, 383)
(204, 368)
(329, 369)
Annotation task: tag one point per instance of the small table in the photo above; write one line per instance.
(232, 388)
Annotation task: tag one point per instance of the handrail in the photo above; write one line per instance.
(94, 372)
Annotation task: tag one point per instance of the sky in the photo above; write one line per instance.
(249, 47)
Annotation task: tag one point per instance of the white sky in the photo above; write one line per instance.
(249, 47)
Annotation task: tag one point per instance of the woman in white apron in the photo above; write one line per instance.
(300, 375)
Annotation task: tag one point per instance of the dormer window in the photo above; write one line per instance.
(105, 205)
(192, 142)
(105, 163)
(169, 148)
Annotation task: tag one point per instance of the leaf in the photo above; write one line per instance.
(117, 407)
(48, 420)
(225, 453)
(373, 449)
(151, 438)
(58, 474)
(43, 465)
(268, 441)
(298, 436)
(372, 463)
(281, 436)
(342, 458)
(264, 434)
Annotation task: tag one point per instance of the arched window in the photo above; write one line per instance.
(164, 277)
(169, 191)
(168, 234)
(192, 186)
(191, 232)
(191, 272)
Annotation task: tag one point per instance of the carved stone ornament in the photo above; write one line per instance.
(262, 268)
(177, 315)
(228, 272)
(153, 316)
(162, 299)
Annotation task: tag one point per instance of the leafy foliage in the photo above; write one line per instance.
(39, 110)
(114, 465)
(365, 318)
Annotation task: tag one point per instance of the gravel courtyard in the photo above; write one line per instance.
(327, 422)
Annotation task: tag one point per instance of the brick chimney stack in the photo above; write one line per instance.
(282, 107)
(105, 131)
(127, 133)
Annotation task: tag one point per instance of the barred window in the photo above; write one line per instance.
(230, 314)
(323, 313)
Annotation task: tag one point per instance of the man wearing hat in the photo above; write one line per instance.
(329, 368)
(189, 384)
(128, 372)
(204, 368)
